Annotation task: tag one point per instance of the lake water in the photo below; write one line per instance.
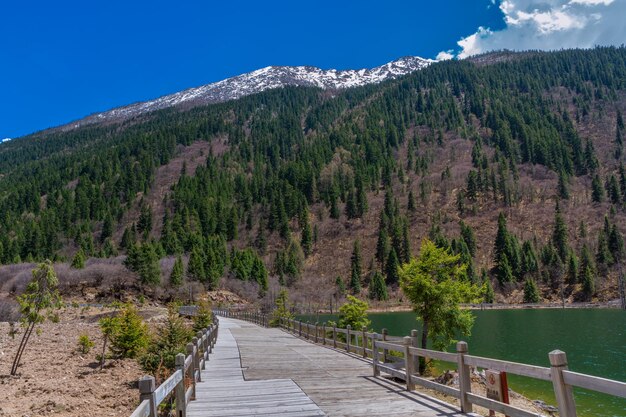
(594, 340)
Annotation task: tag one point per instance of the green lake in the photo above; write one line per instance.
(594, 340)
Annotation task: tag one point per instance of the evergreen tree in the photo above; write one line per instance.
(467, 234)
(616, 244)
(531, 293)
(382, 246)
(505, 272)
(597, 192)
(306, 241)
(341, 286)
(572, 269)
(378, 288)
(411, 206)
(144, 225)
(195, 268)
(79, 260)
(355, 268)
(107, 228)
(588, 283)
(392, 267)
(489, 296)
(176, 277)
(559, 234)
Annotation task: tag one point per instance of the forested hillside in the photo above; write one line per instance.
(515, 163)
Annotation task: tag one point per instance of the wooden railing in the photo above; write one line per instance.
(255, 317)
(188, 369)
(399, 357)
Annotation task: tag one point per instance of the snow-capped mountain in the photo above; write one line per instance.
(261, 80)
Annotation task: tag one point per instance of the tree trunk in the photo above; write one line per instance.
(422, 365)
(104, 348)
(21, 348)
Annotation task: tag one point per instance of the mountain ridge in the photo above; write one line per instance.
(257, 81)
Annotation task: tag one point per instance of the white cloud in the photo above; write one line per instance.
(551, 24)
(445, 55)
(592, 2)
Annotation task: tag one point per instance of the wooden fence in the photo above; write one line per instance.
(251, 316)
(182, 383)
(399, 357)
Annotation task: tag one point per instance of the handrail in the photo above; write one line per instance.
(188, 369)
(376, 348)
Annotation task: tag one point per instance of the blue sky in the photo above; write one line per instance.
(63, 60)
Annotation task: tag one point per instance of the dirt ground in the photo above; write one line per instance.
(56, 380)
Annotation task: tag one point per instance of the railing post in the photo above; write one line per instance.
(375, 355)
(190, 371)
(324, 333)
(385, 351)
(316, 331)
(465, 383)
(364, 340)
(562, 391)
(414, 343)
(299, 328)
(348, 328)
(408, 363)
(201, 345)
(196, 357)
(179, 393)
(146, 392)
(335, 336)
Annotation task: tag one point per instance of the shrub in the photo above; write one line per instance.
(127, 332)
(204, 316)
(85, 344)
(170, 340)
(282, 309)
(354, 313)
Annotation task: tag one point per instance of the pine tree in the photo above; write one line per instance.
(616, 244)
(355, 268)
(107, 228)
(531, 293)
(79, 260)
(613, 190)
(392, 267)
(597, 192)
(378, 288)
(588, 283)
(572, 269)
(489, 296)
(505, 272)
(341, 286)
(382, 246)
(502, 236)
(306, 241)
(559, 234)
(411, 206)
(149, 271)
(334, 208)
(144, 225)
(176, 277)
(586, 261)
(195, 268)
(467, 234)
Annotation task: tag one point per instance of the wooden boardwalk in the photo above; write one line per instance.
(255, 371)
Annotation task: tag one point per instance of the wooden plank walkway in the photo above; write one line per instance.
(224, 391)
(256, 371)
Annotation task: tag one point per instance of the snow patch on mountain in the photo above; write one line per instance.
(260, 80)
